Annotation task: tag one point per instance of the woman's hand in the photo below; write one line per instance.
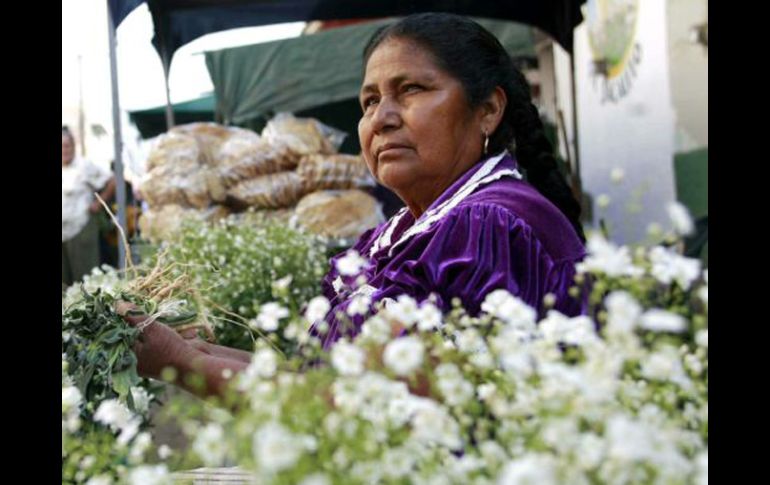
(220, 351)
(158, 346)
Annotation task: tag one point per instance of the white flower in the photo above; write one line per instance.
(375, 330)
(617, 174)
(659, 320)
(456, 390)
(606, 257)
(629, 440)
(589, 451)
(374, 392)
(209, 445)
(401, 409)
(263, 364)
(346, 395)
(510, 339)
(340, 458)
(351, 264)
(403, 310)
(681, 218)
(603, 201)
(665, 365)
(282, 284)
(347, 359)
(315, 479)
(71, 422)
(432, 424)
(275, 447)
(87, 462)
(702, 464)
(404, 355)
(113, 413)
(703, 294)
(482, 359)
(469, 341)
(465, 465)
(361, 471)
(560, 434)
(668, 266)
(141, 399)
(397, 462)
(486, 390)
(702, 338)
(140, 446)
(693, 363)
(164, 452)
(70, 399)
(359, 305)
(518, 362)
(557, 327)
(562, 380)
(269, 316)
(493, 453)
(128, 432)
(510, 309)
(150, 475)
(317, 309)
(530, 469)
(448, 370)
(428, 317)
(308, 443)
(100, 480)
(623, 312)
(332, 423)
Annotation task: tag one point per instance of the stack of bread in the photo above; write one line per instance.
(206, 171)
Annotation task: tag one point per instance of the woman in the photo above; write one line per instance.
(79, 226)
(442, 103)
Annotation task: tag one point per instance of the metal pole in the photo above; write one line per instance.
(577, 182)
(120, 183)
(169, 109)
(81, 112)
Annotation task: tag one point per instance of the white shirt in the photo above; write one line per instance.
(79, 180)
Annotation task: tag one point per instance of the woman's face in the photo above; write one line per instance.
(67, 150)
(418, 133)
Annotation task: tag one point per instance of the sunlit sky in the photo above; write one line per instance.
(86, 62)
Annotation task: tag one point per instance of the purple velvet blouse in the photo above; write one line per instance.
(488, 230)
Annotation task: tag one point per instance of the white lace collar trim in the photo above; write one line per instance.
(482, 177)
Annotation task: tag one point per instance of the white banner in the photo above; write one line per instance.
(625, 114)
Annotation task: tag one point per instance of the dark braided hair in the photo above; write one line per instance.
(473, 56)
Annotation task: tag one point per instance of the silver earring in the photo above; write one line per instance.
(486, 142)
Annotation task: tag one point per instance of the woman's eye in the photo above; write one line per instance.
(412, 87)
(369, 102)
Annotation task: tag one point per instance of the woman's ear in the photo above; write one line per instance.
(492, 110)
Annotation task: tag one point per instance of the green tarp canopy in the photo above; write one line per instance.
(692, 180)
(311, 71)
(152, 122)
(692, 190)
